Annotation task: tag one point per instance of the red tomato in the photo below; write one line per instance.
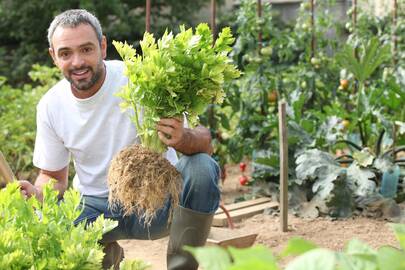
(243, 180)
(242, 166)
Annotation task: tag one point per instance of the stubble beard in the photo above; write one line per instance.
(85, 85)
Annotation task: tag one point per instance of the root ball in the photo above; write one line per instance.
(140, 181)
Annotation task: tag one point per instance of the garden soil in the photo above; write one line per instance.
(325, 232)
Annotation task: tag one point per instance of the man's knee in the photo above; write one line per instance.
(199, 167)
(200, 182)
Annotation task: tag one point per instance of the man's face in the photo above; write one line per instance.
(78, 54)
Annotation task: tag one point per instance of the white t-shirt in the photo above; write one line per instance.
(90, 130)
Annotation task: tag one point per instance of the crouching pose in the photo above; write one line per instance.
(80, 118)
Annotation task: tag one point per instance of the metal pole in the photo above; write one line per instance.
(283, 165)
(147, 18)
(259, 14)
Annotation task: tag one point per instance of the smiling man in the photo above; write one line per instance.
(81, 63)
(80, 119)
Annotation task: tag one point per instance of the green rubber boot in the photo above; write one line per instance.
(189, 228)
(114, 254)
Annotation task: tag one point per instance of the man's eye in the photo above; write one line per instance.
(87, 49)
(64, 54)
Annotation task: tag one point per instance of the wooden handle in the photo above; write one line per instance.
(5, 171)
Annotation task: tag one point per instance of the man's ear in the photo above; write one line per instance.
(104, 47)
(52, 54)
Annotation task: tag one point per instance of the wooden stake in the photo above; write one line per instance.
(356, 55)
(354, 13)
(259, 14)
(5, 171)
(394, 140)
(213, 16)
(394, 27)
(211, 111)
(283, 165)
(147, 18)
(312, 28)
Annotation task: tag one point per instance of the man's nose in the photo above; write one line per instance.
(77, 60)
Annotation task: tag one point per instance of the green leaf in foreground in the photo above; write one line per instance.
(257, 257)
(390, 258)
(43, 236)
(134, 265)
(211, 258)
(297, 246)
(399, 230)
(317, 259)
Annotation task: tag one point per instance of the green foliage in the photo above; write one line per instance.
(216, 258)
(370, 57)
(344, 88)
(22, 45)
(36, 235)
(175, 75)
(134, 265)
(17, 117)
(356, 256)
(334, 187)
(43, 236)
(282, 69)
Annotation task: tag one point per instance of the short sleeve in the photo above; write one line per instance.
(49, 152)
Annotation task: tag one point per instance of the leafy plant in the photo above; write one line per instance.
(36, 235)
(356, 256)
(334, 188)
(43, 236)
(17, 118)
(364, 61)
(175, 75)
(121, 20)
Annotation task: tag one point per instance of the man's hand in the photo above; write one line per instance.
(171, 131)
(27, 189)
(187, 141)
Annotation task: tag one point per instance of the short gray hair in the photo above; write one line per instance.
(73, 18)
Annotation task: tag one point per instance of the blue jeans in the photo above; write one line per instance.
(200, 193)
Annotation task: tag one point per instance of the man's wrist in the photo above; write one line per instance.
(184, 141)
(38, 193)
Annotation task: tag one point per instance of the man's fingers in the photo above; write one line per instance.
(26, 188)
(173, 122)
(24, 193)
(163, 138)
(165, 129)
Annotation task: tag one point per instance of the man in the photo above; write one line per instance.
(80, 118)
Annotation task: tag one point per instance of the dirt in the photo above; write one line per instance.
(325, 232)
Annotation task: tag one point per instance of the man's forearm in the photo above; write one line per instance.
(60, 184)
(197, 140)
